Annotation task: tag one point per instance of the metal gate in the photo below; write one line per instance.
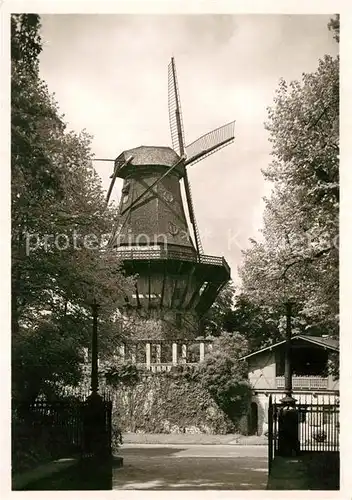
(319, 423)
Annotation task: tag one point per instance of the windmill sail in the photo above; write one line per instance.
(210, 143)
(178, 142)
(118, 164)
(175, 114)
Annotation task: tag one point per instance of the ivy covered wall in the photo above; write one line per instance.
(170, 403)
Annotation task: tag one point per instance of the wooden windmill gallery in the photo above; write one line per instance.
(177, 283)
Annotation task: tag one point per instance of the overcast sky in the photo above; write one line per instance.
(109, 74)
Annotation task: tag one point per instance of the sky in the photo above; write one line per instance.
(109, 76)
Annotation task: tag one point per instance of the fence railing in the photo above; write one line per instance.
(318, 425)
(55, 429)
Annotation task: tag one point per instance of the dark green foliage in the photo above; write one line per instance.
(213, 321)
(55, 191)
(43, 358)
(26, 41)
(334, 26)
(257, 324)
(297, 255)
(125, 374)
(237, 313)
(224, 375)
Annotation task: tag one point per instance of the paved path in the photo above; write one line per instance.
(191, 467)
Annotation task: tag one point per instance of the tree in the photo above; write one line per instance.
(297, 256)
(239, 314)
(213, 321)
(260, 326)
(59, 219)
(334, 26)
(224, 375)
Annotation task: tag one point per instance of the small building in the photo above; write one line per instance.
(311, 383)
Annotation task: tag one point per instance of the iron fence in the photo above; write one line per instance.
(53, 429)
(318, 424)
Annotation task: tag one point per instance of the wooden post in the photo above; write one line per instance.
(174, 353)
(201, 351)
(147, 355)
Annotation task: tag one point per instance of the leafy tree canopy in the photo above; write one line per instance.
(297, 257)
(224, 375)
(59, 219)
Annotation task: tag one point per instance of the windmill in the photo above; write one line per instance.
(152, 236)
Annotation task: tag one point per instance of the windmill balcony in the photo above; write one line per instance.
(161, 253)
(308, 382)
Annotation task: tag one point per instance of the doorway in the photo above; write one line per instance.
(253, 419)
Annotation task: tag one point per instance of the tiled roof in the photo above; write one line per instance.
(325, 342)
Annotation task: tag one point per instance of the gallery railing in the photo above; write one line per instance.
(161, 253)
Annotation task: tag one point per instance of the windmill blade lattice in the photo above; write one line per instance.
(210, 143)
(175, 114)
(191, 213)
(178, 142)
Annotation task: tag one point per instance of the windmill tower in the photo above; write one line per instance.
(176, 282)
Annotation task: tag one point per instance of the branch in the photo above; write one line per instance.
(319, 118)
(306, 259)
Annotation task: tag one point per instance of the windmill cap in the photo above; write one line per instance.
(147, 156)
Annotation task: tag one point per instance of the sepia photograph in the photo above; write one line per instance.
(175, 251)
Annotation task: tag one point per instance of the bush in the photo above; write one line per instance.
(223, 374)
